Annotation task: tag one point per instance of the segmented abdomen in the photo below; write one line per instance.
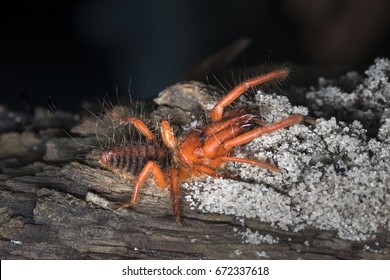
(131, 159)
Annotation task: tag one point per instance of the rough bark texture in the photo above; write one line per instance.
(56, 203)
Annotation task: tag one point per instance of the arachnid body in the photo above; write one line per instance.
(202, 151)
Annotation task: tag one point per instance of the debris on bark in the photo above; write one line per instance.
(330, 201)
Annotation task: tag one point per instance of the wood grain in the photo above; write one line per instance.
(57, 203)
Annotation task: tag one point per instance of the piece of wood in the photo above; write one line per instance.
(57, 203)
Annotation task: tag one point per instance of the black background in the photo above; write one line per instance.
(79, 50)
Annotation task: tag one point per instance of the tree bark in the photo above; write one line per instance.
(55, 204)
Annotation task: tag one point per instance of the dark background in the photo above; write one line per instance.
(73, 50)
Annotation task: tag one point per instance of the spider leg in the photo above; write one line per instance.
(200, 169)
(138, 124)
(217, 111)
(251, 161)
(167, 135)
(250, 135)
(159, 178)
(174, 175)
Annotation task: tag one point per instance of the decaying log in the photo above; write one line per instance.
(57, 203)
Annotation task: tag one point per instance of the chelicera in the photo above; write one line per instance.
(202, 151)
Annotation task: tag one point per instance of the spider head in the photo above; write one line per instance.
(191, 146)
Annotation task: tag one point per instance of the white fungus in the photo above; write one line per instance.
(262, 254)
(334, 176)
(255, 238)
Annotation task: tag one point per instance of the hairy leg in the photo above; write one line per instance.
(138, 124)
(250, 135)
(217, 111)
(159, 178)
(173, 173)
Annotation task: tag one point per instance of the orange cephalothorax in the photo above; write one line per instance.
(203, 150)
(201, 146)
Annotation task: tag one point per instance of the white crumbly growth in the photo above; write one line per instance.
(237, 252)
(368, 102)
(262, 254)
(367, 248)
(255, 238)
(333, 176)
(97, 200)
